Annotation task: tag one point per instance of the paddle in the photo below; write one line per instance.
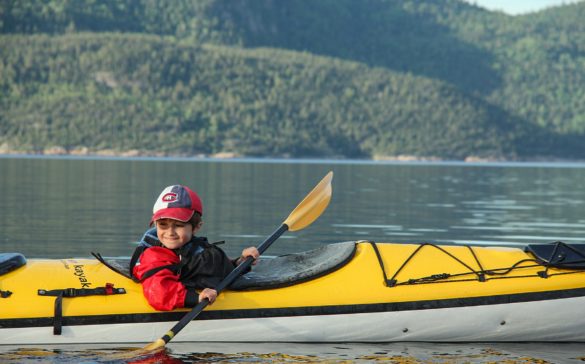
(310, 208)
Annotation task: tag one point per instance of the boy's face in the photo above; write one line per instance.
(173, 234)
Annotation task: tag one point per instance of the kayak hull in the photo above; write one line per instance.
(354, 303)
(494, 323)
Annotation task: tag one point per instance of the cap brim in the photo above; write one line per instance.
(175, 213)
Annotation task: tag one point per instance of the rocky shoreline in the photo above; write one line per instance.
(134, 153)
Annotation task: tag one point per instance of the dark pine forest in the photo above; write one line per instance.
(299, 78)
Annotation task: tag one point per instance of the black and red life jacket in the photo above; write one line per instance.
(201, 264)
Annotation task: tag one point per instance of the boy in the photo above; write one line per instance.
(176, 263)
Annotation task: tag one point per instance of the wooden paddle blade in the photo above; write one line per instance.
(159, 343)
(137, 355)
(312, 205)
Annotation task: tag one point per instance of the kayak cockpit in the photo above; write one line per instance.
(280, 271)
(286, 270)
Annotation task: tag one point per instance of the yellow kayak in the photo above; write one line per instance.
(346, 292)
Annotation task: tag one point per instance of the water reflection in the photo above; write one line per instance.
(399, 353)
(81, 205)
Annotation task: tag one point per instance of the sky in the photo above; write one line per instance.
(515, 7)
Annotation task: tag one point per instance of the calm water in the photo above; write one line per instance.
(60, 207)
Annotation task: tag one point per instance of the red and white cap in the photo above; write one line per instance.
(176, 202)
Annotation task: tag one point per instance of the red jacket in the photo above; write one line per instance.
(170, 278)
(163, 290)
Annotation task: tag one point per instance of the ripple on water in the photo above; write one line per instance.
(402, 353)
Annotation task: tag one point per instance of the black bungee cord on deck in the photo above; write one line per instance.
(481, 273)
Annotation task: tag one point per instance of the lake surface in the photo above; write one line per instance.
(69, 207)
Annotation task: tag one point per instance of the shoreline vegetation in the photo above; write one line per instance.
(110, 153)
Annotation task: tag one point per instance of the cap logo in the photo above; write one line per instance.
(170, 197)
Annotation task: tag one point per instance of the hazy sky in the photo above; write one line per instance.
(514, 7)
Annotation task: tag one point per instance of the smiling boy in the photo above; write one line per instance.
(176, 264)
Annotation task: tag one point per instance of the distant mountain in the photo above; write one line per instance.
(327, 78)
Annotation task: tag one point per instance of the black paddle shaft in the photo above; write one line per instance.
(242, 267)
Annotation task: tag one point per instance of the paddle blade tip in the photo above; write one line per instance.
(312, 205)
(155, 345)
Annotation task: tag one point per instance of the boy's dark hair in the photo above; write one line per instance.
(195, 219)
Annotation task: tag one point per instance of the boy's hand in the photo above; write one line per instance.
(250, 252)
(208, 293)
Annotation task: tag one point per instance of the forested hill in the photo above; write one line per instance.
(298, 78)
